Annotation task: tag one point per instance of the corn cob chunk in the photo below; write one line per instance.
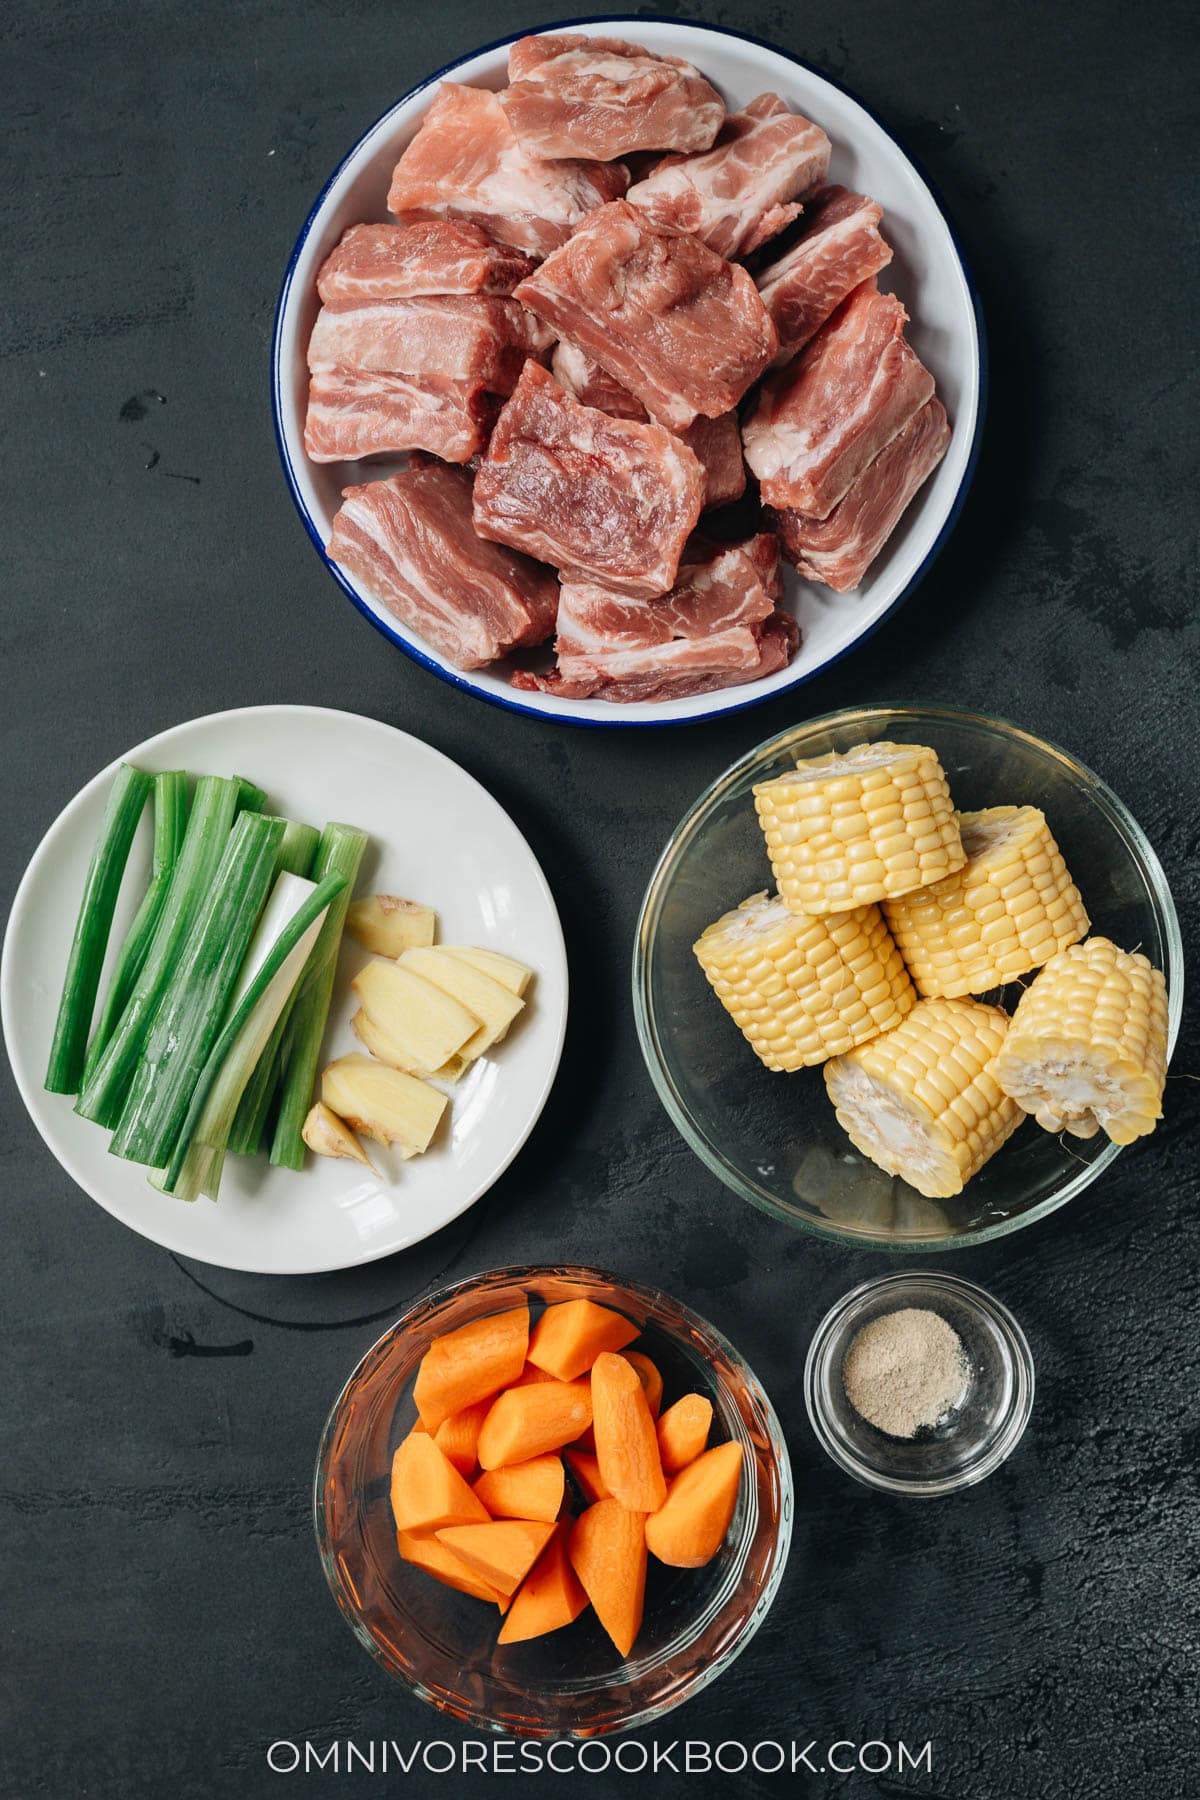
(1087, 1048)
(922, 1101)
(1009, 909)
(803, 989)
(847, 830)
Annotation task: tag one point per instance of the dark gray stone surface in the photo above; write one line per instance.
(163, 1616)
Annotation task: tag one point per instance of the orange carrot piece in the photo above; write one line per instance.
(466, 1365)
(526, 1490)
(550, 1596)
(531, 1375)
(626, 1443)
(503, 1551)
(688, 1530)
(683, 1432)
(427, 1490)
(586, 1469)
(568, 1338)
(528, 1421)
(424, 1551)
(607, 1548)
(457, 1436)
(648, 1375)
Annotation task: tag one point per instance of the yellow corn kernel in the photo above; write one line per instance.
(855, 827)
(1087, 1048)
(1010, 908)
(802, 989)
(921, 1101)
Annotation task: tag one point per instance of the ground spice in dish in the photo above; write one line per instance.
(905, 1370)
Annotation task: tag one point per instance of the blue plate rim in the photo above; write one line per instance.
(458, 680)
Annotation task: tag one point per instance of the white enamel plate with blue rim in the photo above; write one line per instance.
(437, 836)
(927, 273)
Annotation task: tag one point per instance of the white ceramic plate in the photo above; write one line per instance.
(927, 273)
(436, 835)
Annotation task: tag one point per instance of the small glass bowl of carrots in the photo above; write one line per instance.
(552, 1502)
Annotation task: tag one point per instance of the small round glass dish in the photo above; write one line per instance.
(571, 1683)
(774, 1139)
(979, 1432)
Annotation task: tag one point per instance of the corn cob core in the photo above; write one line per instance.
(803, 989)
(1009, 909)
(1087, 1048)
(921, 1101)
(848, 829)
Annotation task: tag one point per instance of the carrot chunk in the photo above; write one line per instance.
(528, 1421)
(585, 1468)
(683, 1432)
(466, 1365)
(568, 1338)
(503, 1552)
(688, 1529)
(626, 1443)
(550, 1596)
(424, 1551)
(531, 1375)
(526, 1490)
(458, 1436)
(648, 1375)
(608, 1553)
(427, 1490)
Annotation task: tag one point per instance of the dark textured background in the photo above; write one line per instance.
(163, 1614)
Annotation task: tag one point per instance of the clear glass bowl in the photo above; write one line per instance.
(976, 1435)
(442, 1644)
(774, 1138)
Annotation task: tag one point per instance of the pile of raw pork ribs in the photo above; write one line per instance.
(573, 331)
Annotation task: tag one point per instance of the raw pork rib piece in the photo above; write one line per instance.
(465, 163)
(671, 320)
(818, 423)
(356, 412)
(455, 337)
(410, 541)
(840, 549)
(719, 626)
(746, 188)
(601, 97)
(608, 499)
(717, 442)
(841, 247)
(402, 262)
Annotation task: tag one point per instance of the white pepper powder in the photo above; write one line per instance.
(905, 1370)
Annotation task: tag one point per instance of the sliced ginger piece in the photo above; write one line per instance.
(626, 1441)
(569, 1337)
(386, 925)
(550, 1596)
(327, 1135)
(607, 1547)
(383, 1103)
(510, 973)
(503, 1551)
(471, 1363)
(683, 1432)
(427, 1491)
(492, 1005)
(689, 1528)
(418, 1026)
(528, 1490)
(426, 1551)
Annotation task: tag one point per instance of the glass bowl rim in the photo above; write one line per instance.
(646, 931)
(514, 1275)
(976, 1299)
